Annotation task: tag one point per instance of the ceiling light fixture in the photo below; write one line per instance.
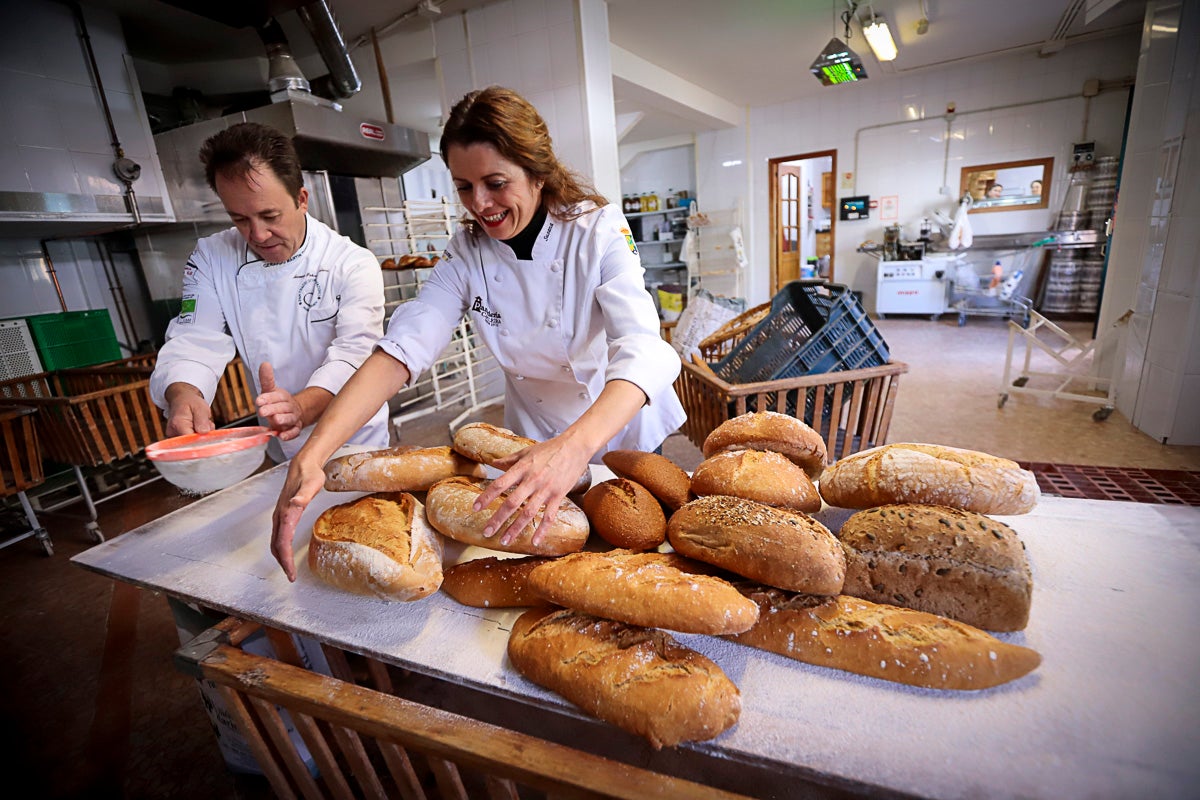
(880, 38)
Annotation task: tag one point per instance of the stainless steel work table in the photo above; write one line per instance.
(1113, 710)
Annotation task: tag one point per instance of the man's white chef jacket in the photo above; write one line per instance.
(560, 325)
(315, 317)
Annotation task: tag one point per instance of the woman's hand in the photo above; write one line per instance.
(305, 478)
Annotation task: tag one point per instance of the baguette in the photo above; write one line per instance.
(646, 589)
(449, 507)
(378, 545)
(930, 474)
(396, 469)
(492, 582)
(882, 641)
(661, 476)
(770, 545)
(760, 475)
(488, 444)
(770, 430)
(941, 560)
(624, 514)
(640, 680)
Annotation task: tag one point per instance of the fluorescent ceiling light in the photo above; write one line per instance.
(880, 39)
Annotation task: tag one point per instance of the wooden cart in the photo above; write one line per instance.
(21, 468)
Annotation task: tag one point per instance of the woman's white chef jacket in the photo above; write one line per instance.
(560, 326)
(315, 318)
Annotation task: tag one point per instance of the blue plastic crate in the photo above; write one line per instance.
(812, 328)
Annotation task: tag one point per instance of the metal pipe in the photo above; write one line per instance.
(62, 301)
(324, 29)
(120, 301)
(383, 79)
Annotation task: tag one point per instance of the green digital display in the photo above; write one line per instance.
(837, 64)
(838, 73)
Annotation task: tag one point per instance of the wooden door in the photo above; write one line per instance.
(787, 239)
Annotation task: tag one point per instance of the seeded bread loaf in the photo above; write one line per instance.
(661, 476)
(449, 505)
(770, 430)
(760, 475)
(654, 590)
(639, 679)
(396, 469)
(625, 514)
(882, 641)
(932, 474)
(378, 545)
(492, 582)
(958, 564)
(774, 546)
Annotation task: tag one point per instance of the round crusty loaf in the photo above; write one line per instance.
(646, 589)
(639, 679)
(760, 475)
(624, 514)
(661, 476)
(774, 546)
(396, 469)
(953, 563)
(931, 474)
(770, 430)
(488, 444)
(378, 545)
(493, 582)
(449, 507)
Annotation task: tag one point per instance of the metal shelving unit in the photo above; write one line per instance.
(716, 255)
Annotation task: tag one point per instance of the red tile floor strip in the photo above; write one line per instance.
(1172, 487)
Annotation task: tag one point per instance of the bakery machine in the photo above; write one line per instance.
(910, 287)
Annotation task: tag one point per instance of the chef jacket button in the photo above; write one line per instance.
(504, 332)
(499, 279)
(583, 395)
(555, 267)
(552, 323)
(566, 368)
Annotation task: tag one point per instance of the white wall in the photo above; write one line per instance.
(660, 171)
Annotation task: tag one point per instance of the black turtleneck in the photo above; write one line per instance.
(522, 243)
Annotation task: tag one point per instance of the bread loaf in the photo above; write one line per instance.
(624, 514)
(770, 430)
(646, 589)
(488, 444)
(492, 582)
(774, 546)
(931, 474)
(760, 475)
(882, 641)
(378, 545)
(639, 679)
(449, 507)
(396, 469)
(942, 560)
(661, 476)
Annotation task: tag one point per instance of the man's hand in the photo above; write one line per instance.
(187, 410)
(278, 406)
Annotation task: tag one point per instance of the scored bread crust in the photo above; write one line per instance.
(909, 472)
(639, 679)
(774, 546)
(378, 545)
(653, 590)
(493, 582)
(883, 641)
(487, 444)
(942, 560)
(625, 514)
(397, 469)
(760, 475)
(661, 476)
(770, 430)
(448, 505)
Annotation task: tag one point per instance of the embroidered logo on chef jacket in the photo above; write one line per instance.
(546, 235)
(310, 293)
(490, 317)
(629, 241)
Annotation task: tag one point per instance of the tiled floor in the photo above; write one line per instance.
(94, 708)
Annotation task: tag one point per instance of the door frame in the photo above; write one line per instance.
(773, 205)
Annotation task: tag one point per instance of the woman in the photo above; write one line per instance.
(551, 278)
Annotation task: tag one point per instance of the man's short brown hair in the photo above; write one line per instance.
(240, 148)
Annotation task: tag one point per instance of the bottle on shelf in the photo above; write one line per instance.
(653, 202)
(644, 200)
(671, 199)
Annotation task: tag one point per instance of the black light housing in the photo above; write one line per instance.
(837, 63)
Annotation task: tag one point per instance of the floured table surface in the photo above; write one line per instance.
(1113, 710)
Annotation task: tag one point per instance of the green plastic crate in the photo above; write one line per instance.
(74, 338)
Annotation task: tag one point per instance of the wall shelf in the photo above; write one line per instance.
(636, 214)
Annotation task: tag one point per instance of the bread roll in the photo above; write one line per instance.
(882, 641)
(449, 508)
(661, 476)
(640, 680)
(378, 545)
(396, 469)
(760, 475)
(774, 546)
(646, 589)
(770, 430)
(942, 560)
(931, 474)
(488, 444)
(492, 582)
(625, 515)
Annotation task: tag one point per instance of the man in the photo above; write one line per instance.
(302, 305)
